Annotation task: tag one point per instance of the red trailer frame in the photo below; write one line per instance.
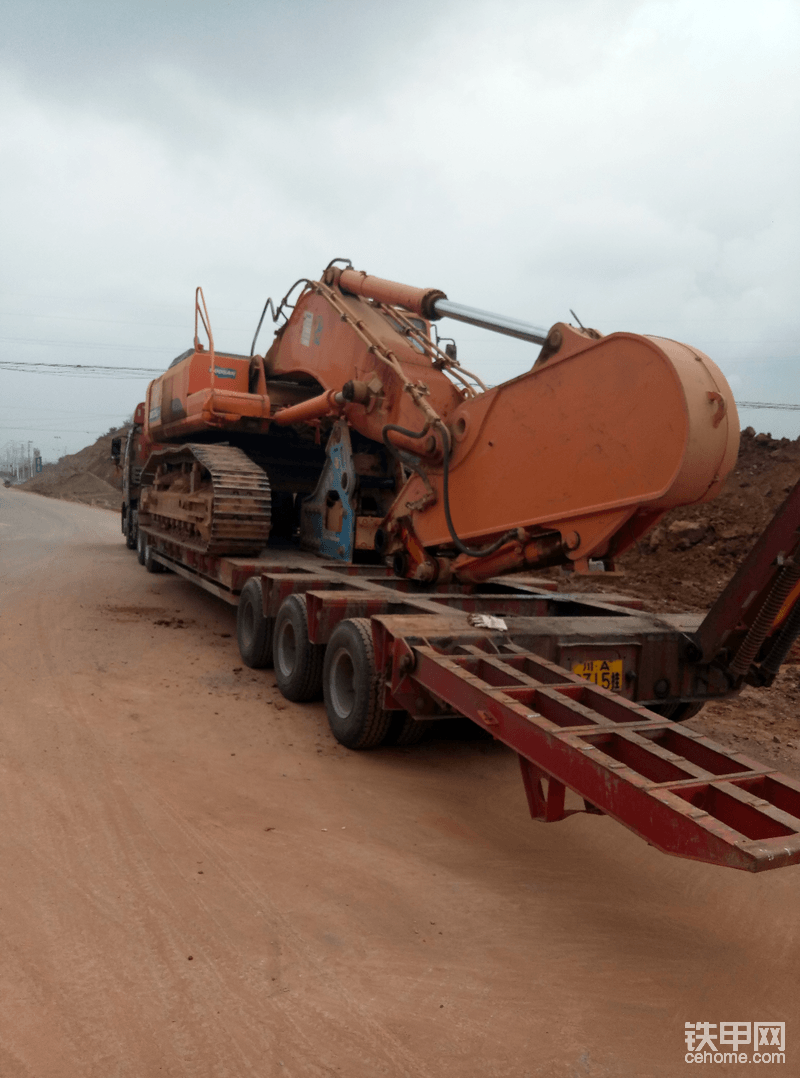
(677, 789)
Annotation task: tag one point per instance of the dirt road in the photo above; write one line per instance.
(197, 880)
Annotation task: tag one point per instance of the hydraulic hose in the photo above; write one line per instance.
(460, 546)
(393, 449)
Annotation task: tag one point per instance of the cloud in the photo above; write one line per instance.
(633, 160)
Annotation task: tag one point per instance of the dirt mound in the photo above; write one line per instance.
(89, 476)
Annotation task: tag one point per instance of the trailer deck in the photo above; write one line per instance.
(536, 669)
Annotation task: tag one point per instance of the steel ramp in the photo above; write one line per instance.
(677, 789)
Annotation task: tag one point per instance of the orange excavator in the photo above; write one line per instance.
(362, 431)
(359, 438)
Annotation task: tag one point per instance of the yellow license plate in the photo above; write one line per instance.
(604, 672)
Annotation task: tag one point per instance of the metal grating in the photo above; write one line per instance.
(677, 789)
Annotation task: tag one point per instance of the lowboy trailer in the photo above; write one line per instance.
(585, 689)
(415, 491)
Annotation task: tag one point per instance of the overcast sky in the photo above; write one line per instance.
(635, 160)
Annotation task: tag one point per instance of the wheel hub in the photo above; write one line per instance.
(287, 649)
(342, 683)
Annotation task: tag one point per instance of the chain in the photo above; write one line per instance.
(438, 358)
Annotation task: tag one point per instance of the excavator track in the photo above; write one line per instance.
(210, 496)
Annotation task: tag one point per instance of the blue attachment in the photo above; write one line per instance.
(328, 518)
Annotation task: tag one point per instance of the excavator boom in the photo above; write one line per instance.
(571, 461)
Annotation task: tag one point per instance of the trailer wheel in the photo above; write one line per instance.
(129, 531)
(351, 684)
(253, 630)
(297, 662)
(404, 731)
(141, 547)
(150, 564)
(677, 712)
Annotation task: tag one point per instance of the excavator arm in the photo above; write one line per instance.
(573, 460)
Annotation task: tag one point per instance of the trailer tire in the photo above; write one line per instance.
(128, 530)
(404, 731)
(150, 564)
(254, 631)
(297, 662)
(141, 547)
(351, 687)
(678, 712)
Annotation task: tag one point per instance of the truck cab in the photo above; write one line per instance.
(130, 459)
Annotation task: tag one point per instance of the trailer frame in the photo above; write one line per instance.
(508, 656)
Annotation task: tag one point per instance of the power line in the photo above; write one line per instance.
(77, 370)
(758, 360)
(93, 370)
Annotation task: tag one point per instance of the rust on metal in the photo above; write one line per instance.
(743, 601)
(677, 789)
